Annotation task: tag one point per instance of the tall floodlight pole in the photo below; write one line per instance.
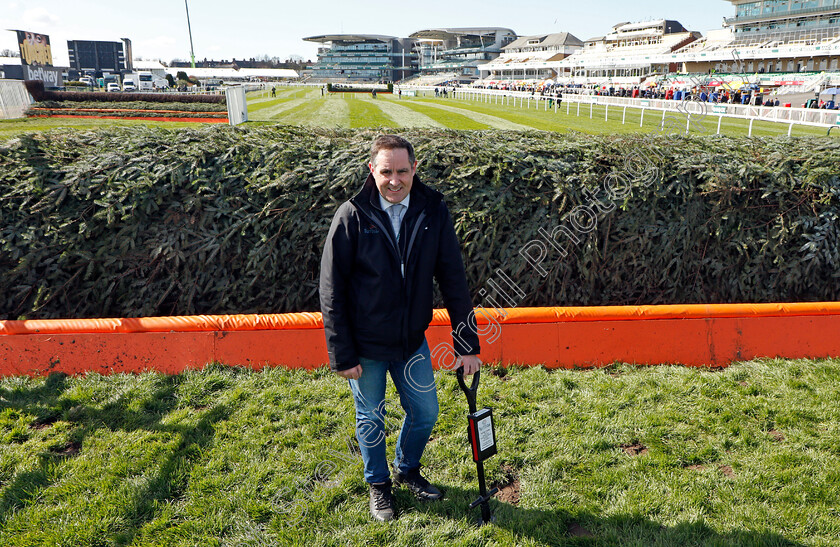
(192, 53)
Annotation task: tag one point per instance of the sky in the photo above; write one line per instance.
(247, 28)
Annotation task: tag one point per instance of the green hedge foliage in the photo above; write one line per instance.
(36, 89)
(125, 113)
(133, 105)
(139, 222)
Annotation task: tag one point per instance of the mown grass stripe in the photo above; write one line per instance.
(451, 120)
(330, 113)
(497, 120)
(405, 116)
(364, 113)
(266, 104)
(531, 118)
(275, 109)
(297, 95)
(296, 114)
(281, 93)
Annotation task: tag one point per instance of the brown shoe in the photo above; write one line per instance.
(382, 505)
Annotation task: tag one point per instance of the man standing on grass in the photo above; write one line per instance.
(384, 247)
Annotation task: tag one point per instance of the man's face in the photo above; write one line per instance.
(393, 173)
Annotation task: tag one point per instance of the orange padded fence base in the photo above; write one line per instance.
(697, 335)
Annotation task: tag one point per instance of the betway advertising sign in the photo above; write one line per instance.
(47, 74)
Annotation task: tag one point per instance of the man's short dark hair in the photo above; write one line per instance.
(390, 142)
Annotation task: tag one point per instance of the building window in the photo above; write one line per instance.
(775, 6)
(749, 10)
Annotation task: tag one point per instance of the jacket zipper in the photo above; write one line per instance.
(395, 247)
(417, 225)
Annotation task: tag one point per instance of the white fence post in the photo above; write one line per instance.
(790, 128)
(237, 107)
(751, 123)
(796, 116)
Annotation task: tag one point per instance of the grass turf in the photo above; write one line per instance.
(476, 114)
(624, 455)
(297, 105)
(13, 128)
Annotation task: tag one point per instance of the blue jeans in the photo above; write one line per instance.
(415, 383)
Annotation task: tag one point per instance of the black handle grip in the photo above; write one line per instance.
(484, 499)
(472, 391)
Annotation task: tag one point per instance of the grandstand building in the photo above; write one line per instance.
(629, 53)
(770, 36)
(457, 53)
(364, 58)
(531, 58)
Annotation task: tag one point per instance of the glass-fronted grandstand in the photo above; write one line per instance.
(770, 36)
(364, 58)
(457, 53)
(785, 45)
(784, 20)
(629, 53)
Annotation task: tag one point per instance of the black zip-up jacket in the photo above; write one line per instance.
(370, 308)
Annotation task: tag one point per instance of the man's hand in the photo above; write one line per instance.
(471, 364)
(351, 373)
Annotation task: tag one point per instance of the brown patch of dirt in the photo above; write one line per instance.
(634, 449)
(500, 372)
(578, 531)
(777, 435)
(70, 449)
(44, 423)
(743, 383)
(509, 489)
(726, 470)
(696, 467)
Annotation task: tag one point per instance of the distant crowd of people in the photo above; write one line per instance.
(445, 91)
(721, 95)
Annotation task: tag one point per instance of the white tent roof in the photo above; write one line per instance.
(225, 73)
(148, 65)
